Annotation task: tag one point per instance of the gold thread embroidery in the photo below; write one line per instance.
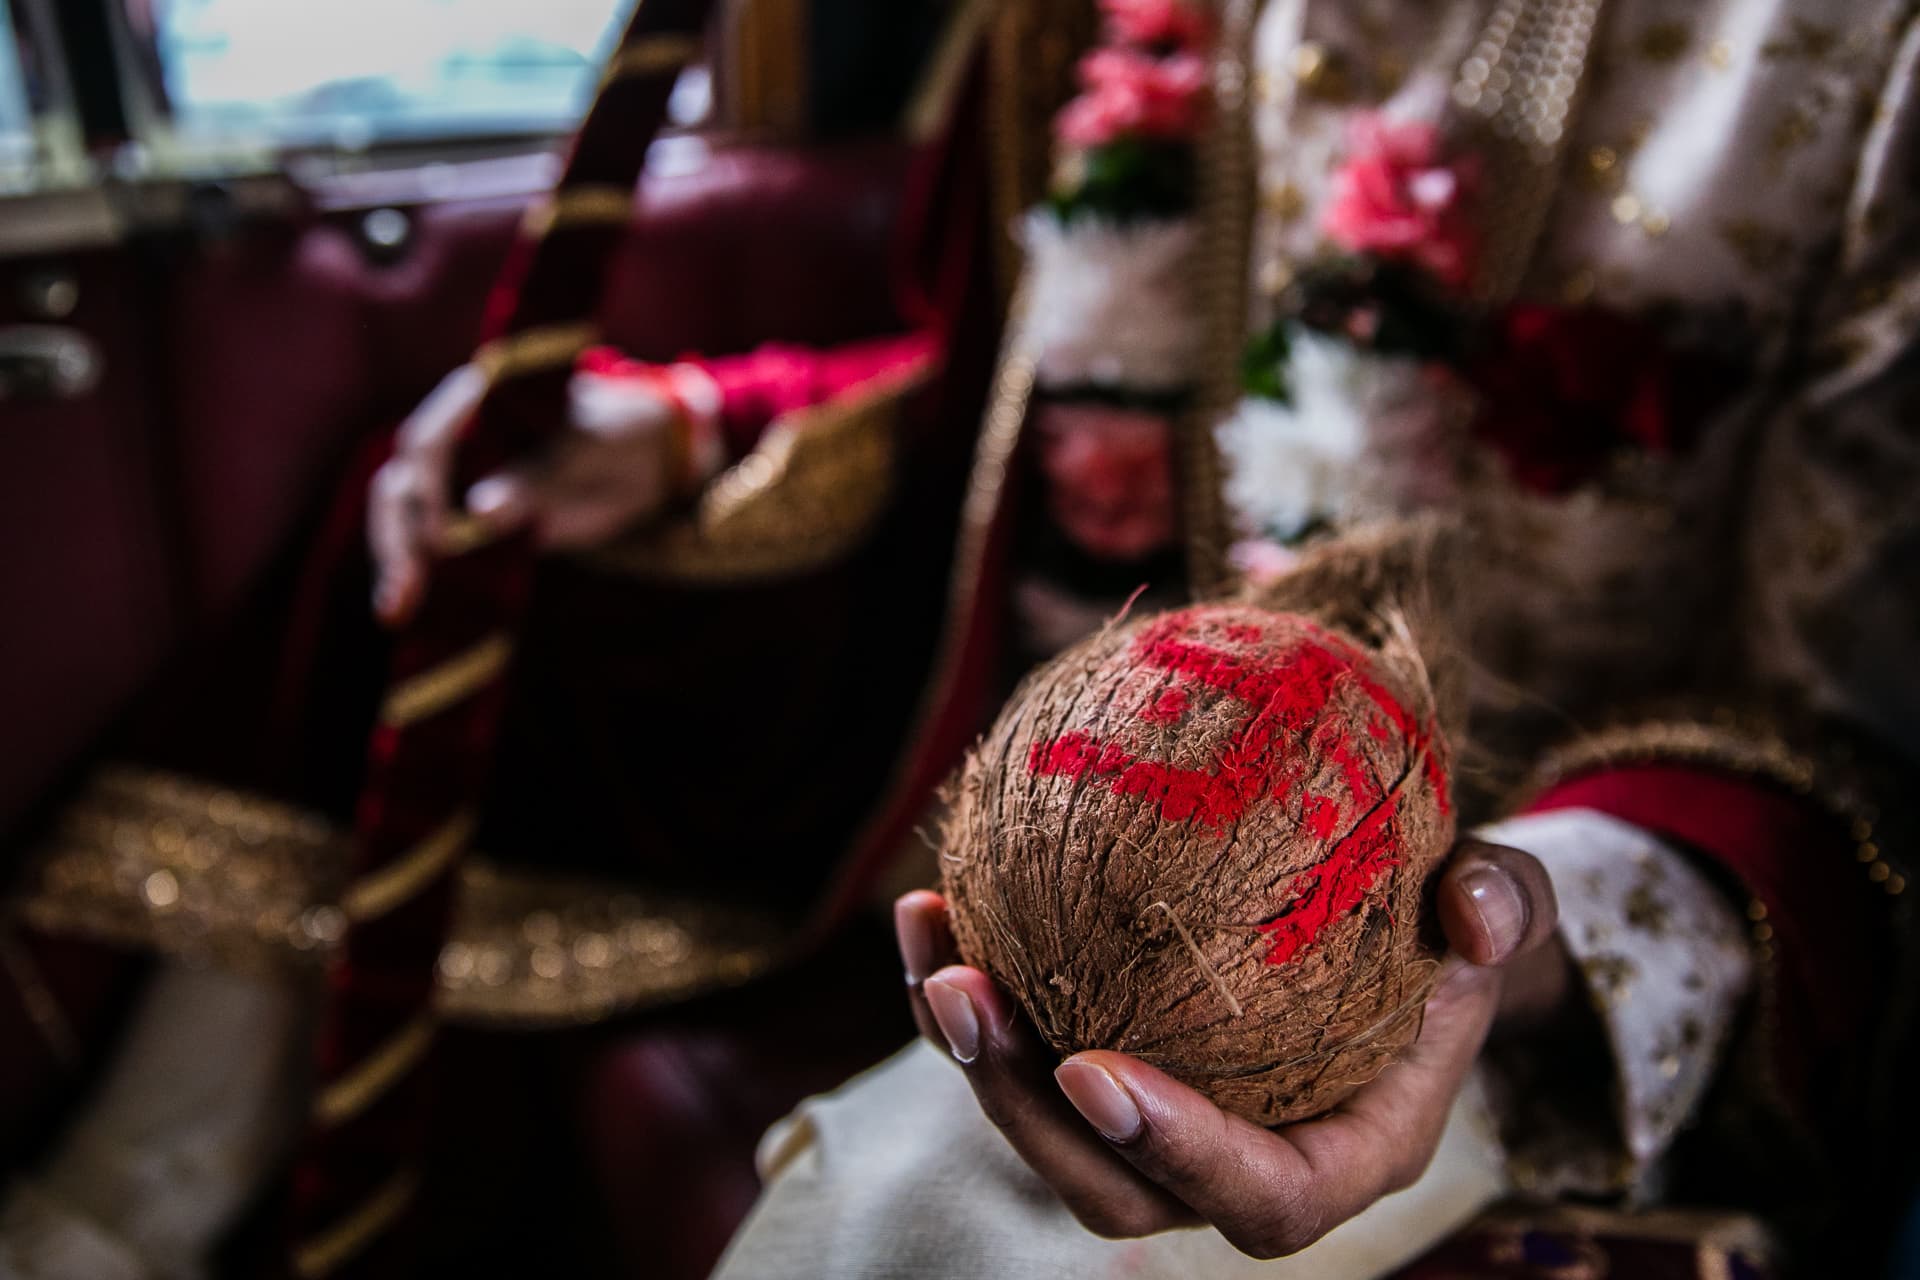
(379, 892)
(338, 1244)
(1796, 128)
(1225, 211)
(1760, 247)
(534, 351)
(453, 681)
(582, 206)
(1665, 41)
(373, 1075)
(255, 882)
(812, 488)
(1812, 41)
(651, 56)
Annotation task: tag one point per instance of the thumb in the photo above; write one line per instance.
(1495, 903)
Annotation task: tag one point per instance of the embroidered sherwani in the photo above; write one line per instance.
(1689, 652)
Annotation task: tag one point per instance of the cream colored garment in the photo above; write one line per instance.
(898, 1174)
(1744, 165)
(195, 1112)
(1665, 962)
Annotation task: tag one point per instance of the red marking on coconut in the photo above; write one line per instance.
(1330, 890)
(1320, 814)
(1168, 707)
(1289, 695)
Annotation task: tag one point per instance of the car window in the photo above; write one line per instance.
(352, 73)
(16, 118)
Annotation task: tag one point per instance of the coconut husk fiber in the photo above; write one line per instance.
(1206, 838)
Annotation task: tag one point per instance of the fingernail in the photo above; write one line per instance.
(916, 941)
(1099, 1097)
(1496, 900)
(959, 1022)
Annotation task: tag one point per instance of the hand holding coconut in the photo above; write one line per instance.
(1200, 857)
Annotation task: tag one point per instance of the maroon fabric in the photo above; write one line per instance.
(750, 210)
(89, 582)
(672, 1113)
(422, 775)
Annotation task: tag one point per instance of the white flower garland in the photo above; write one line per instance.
(1110, 304)
(1363, 431)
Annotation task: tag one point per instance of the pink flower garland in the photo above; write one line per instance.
(1149, 81)
(1396, 198)
(1110, 477)
(1134, 95)
(1155, 23)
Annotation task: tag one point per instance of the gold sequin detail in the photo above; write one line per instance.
(1646, 911)
(1757, 245)
(1795, 128)
(1811, 41)
(342, 1242)
(1665, 41)
(257, 881)
(810, 492)
(1610, 976)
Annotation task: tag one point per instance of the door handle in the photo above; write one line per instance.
(47, 362)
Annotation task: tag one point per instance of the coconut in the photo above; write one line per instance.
(1206, 838)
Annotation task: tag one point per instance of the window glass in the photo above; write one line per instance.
(16, 118)
(353, 72)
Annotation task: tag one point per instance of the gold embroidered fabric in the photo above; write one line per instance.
(217, 877)
(814, 486)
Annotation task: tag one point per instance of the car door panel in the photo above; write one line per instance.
(87, 584)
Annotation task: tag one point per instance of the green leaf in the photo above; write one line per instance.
(1263, 364)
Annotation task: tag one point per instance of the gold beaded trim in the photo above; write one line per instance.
(1226, 225)
(1747, 748)
(340, 1243)
(1522, 82)
(372, 1076)
(536, 350)
(453, 681)
(216, 877)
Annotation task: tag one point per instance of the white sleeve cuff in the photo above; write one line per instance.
(1665, 961)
